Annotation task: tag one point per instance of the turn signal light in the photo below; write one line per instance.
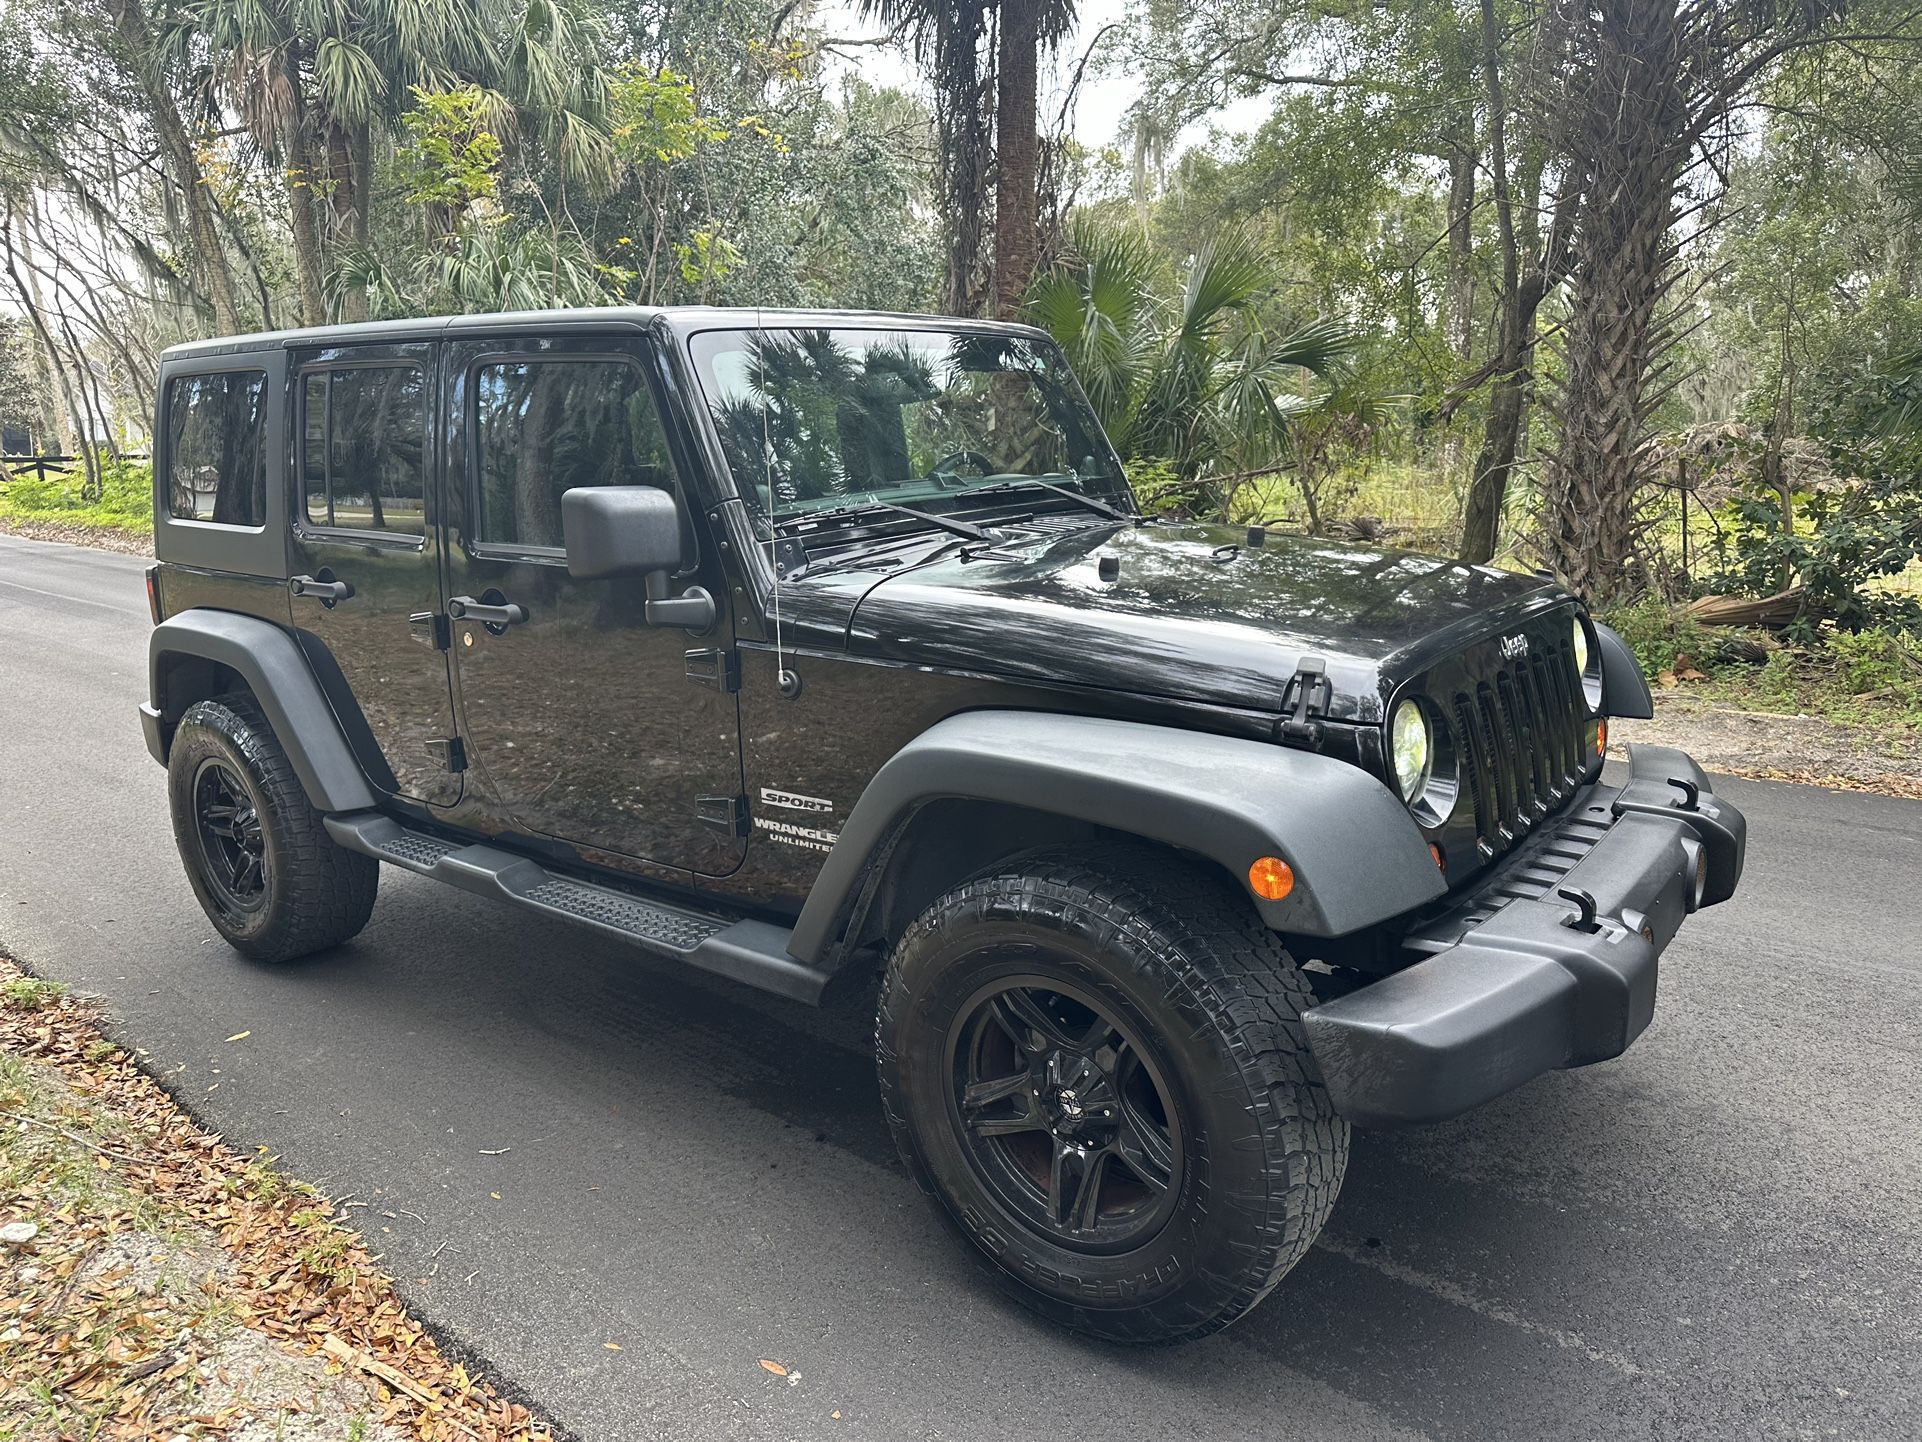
(1441, 861)
(1601, 737)
(1271, 878)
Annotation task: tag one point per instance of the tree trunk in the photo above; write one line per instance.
(1017, 153)
(1501, 433)
(27, 289)
(962, 125)
(346, 201)
(1629, 135)
(130, 21)
(1460, 318)
(298, 177)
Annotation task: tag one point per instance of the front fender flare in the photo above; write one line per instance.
(1624, 687)
(1357, 855)
(270, 662)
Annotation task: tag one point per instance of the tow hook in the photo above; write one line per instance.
(1585, 902)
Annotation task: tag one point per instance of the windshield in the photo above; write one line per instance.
(811, 420)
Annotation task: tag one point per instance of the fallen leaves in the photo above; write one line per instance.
(775, 1367)
(286, 1268)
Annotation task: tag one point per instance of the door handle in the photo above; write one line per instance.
(506, 613)
(323, 588)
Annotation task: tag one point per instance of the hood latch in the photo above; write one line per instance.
(1308, 688)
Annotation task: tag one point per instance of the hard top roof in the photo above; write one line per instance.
(679, 321)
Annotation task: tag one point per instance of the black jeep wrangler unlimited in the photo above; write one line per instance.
(810, 647)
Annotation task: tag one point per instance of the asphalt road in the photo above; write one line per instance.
(1717, 1235)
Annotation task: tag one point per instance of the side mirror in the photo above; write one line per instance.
(611, 531)
(620, 531)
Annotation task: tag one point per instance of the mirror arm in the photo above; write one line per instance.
(693, 610)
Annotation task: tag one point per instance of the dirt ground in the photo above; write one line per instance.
(1773, 747)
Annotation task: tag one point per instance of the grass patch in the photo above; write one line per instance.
(124, 505)
(29, 993)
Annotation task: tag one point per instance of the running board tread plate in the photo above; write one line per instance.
(753, 952)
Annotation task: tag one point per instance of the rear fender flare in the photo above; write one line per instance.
(1357, 855)
(271, 664)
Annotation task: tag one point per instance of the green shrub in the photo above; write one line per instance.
(1660, 634)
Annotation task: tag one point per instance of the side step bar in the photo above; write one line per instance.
(749, 951)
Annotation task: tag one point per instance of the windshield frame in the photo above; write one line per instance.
(1111, 488)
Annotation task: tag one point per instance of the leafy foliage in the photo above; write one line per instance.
(1200, 383)
(1847, 538)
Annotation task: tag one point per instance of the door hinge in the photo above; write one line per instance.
(431, 628)
(450, 752)
(725, 814)
(720, 670)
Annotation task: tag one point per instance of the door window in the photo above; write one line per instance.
(542, 427)
(363, 455)
(217, 448)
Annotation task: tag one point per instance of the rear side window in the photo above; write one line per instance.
(363, 448)
(543, 427)
(217, 448)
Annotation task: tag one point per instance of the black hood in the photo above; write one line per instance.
(1194, 613)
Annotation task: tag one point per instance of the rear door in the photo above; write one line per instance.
(582, 722)
(366, 559)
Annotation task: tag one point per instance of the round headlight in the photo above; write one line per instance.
(1412, 750)
(1581, 647)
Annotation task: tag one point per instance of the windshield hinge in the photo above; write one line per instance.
(717, 670)
(1308, 687)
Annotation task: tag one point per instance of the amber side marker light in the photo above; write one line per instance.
(1441, 862)
(1271, 878)
(1601, 737)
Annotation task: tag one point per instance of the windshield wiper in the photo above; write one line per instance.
(946, 523)
(1114, 513)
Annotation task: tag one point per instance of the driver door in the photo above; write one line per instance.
(583, 723)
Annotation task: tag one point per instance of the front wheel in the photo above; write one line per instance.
(1097, 1069)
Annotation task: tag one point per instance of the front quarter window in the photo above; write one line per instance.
(812, 418)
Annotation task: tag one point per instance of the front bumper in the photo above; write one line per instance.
(1519, 979)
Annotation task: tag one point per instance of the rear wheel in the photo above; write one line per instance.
(262, 865)
(1096, 1067)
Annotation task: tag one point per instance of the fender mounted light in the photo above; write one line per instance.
(1271, 878)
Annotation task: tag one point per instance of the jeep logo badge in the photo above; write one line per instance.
(1514, 647)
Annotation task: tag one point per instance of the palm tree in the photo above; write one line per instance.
(1198, 384)
(1027, 28)
(318, 82)
(948, 40)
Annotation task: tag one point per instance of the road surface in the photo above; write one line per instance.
(1717, 1235)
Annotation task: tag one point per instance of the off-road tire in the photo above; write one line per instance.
(1180, 957)
(316, 893)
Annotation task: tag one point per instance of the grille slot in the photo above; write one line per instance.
(1520, 745)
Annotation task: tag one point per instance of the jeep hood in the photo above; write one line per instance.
(1194, 613)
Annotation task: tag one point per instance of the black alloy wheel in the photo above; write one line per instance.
(1092, 1059)
(1067, 1117)
(272, 881)
(232, 847)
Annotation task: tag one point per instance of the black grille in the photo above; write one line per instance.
(1519, 735)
